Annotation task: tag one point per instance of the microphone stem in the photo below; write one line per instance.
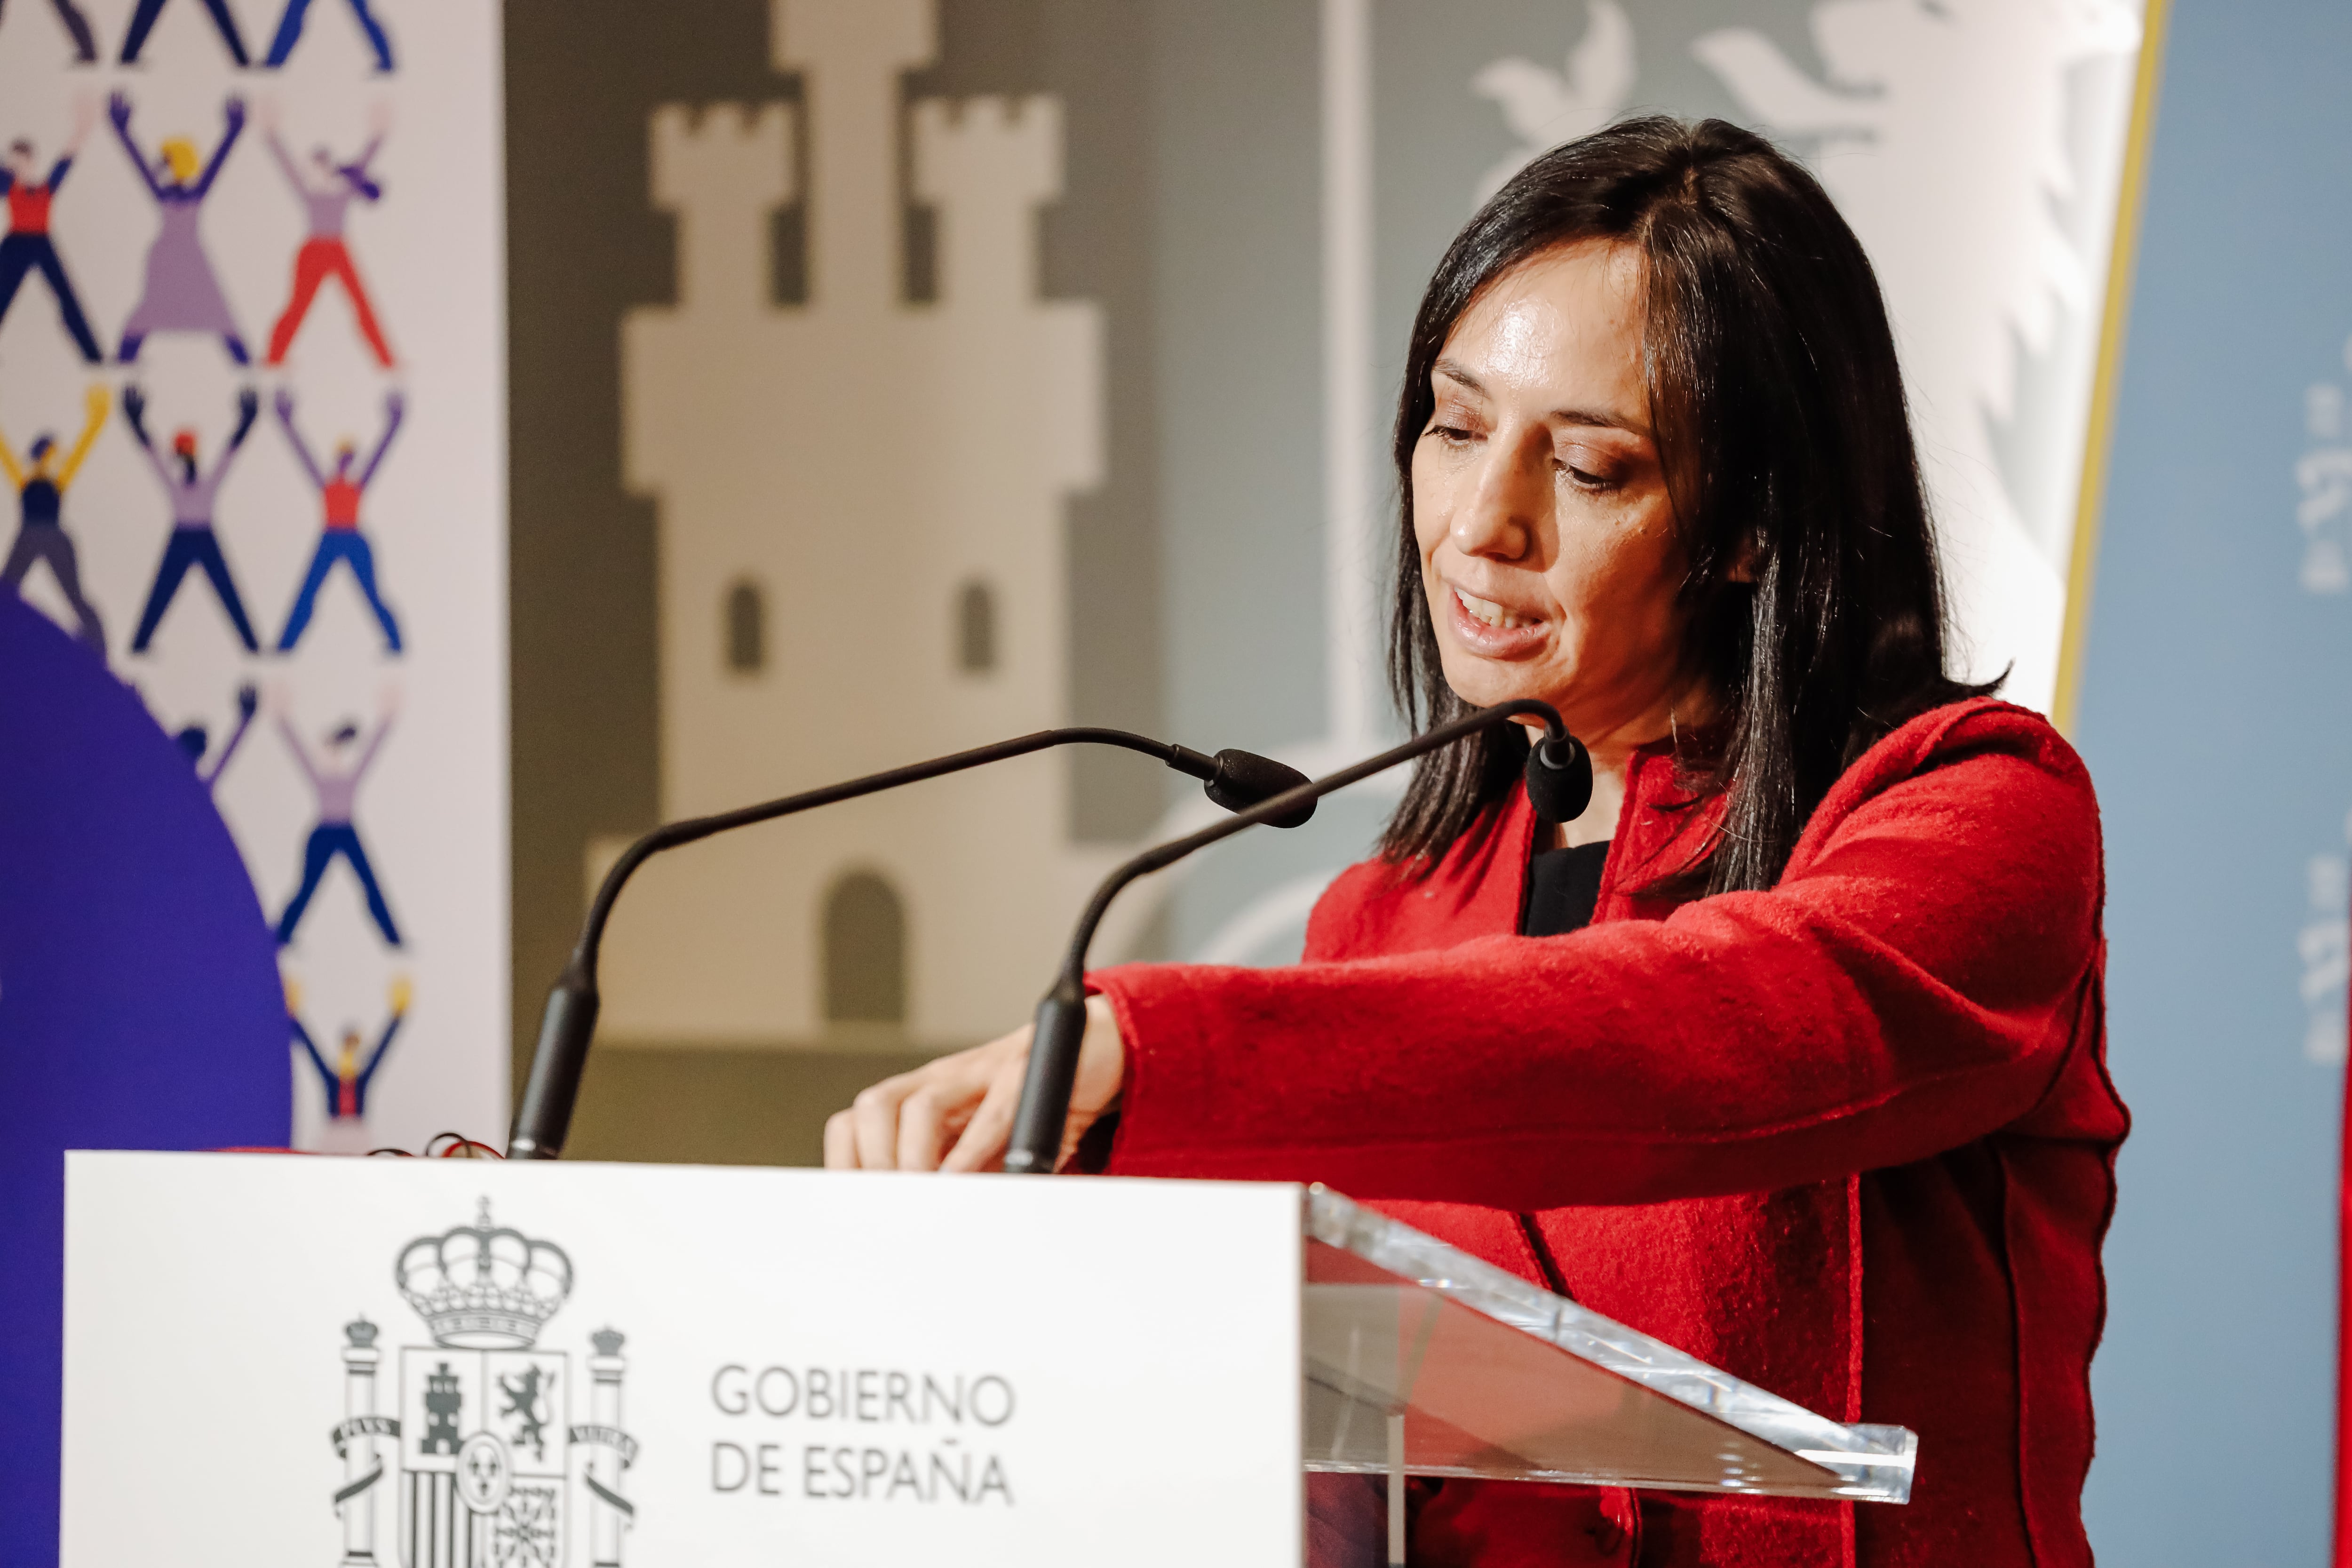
(669, 835)
(543, 1120)
(1045, 1108)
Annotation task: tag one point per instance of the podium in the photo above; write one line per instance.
(449, 1363)
(1421, 1360)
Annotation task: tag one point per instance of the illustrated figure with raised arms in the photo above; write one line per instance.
(41, 482)
(335, 783)
(327, 191)
(193, 494)
(28, 246)
(143, 22)
(290, 32)
(339, 538)
(180, 292)
(345, 1080)
(77, 26)
(194, 740)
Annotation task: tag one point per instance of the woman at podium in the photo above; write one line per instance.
(1789, 1050)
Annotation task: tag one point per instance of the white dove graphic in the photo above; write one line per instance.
(1544, 107)
(1949, 134)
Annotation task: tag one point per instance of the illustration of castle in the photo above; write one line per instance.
(861, 556)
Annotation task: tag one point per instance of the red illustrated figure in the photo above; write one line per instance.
(27, 246)
(327, 192)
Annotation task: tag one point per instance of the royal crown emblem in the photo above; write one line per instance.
(484, 1438)
(483, 1286)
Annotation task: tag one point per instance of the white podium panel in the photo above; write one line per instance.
(471, 1364)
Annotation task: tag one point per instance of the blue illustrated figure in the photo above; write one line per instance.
(77, 25)
(336, 783)
(29, 246)
(41, 484)
(339, 538)
(143, 22)
(290, 32)
(182, 294)
(345, 1080)
(192, 492)
(194, 740)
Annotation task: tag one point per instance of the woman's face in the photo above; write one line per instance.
(1547, 540)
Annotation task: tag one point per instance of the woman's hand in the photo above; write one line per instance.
(956, 1113)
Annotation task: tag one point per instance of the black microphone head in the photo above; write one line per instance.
(1245, 779)
(1559, 778)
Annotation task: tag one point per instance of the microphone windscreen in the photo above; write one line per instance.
(1245, 779)
(1559, 778)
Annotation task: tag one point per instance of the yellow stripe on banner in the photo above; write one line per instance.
(2098, 438)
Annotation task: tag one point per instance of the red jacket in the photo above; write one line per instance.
(1852, 1139)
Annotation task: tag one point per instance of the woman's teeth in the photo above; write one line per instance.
(1492, 613)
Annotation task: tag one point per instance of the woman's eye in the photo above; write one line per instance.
(1452, 435)
(1584, 480)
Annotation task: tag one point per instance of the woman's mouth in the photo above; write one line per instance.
(1491, 630)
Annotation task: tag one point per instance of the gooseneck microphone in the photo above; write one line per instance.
(1236, 780)
(1560, 786)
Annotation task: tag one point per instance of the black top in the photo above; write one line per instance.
(1563, 888)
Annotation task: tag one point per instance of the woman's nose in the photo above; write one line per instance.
(1500, 518)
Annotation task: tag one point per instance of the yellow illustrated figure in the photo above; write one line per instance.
(346, 1080)
(41, 484)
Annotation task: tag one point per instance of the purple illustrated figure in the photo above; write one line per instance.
(41, 484)
(194, 740)
(339, 538)
(28, 246)
(77, 26)
(335, 781)
(191, 491)
(182, 294)
(327, 192)
(143, 22)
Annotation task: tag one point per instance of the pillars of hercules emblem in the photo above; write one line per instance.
(609, 1511)
(355, 1439)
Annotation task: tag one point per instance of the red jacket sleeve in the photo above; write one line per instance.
(1911, 983)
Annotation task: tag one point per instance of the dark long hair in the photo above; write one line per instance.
(1780, 417)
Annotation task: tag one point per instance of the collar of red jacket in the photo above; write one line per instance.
(1665, 827)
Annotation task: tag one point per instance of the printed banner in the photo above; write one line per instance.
(251, 408)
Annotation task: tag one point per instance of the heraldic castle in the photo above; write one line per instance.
(861, 546)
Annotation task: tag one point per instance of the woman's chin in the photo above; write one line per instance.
(1483, 682)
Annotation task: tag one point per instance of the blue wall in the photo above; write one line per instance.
(2217, 720)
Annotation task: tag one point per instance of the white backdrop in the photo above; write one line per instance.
(430, 810)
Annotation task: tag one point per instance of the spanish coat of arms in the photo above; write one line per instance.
(478, 1455)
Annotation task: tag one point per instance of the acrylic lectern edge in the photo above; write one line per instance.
(1876, 1462)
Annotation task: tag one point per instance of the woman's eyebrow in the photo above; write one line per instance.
(1600, 418)
(1453, 370)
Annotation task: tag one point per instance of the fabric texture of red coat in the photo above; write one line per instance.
(1852, 1139)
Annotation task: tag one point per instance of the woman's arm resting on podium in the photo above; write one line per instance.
(956, 1113)
(1914, 982)
(1917, 980)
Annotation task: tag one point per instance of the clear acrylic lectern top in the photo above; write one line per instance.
(1423, 1359)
